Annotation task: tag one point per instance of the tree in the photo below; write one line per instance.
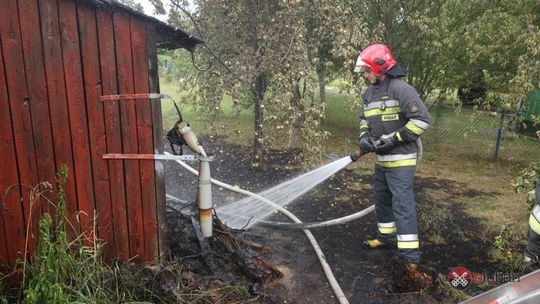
(445, 44)
(333, 36)
(265, 64)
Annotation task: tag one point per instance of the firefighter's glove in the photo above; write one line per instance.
(355, 155)
(386, 143)
(367, 144)
(364, 134)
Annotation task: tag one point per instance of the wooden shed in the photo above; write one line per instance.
(57, 57)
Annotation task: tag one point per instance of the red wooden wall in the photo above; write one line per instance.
(57, 57)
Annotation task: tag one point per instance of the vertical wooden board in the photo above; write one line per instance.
(77, 116)
(39, 103)
(20, 115)
(11, 215)
(58, 107)
(113, 131)
(144, 132)
(124, 66)
(96, 123)
(158, 140)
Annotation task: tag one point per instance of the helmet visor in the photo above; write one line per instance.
(360, 66)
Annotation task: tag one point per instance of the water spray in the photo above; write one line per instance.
(282, 194)
(320, 255)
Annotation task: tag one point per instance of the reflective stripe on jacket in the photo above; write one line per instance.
(394, 107)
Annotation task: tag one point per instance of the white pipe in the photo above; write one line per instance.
(337, 221)
(320, 255)
(190, 138)
(204, 197)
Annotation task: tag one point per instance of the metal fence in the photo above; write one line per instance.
(473, 134)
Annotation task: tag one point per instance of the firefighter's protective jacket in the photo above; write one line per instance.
(393, 107)
(533, 246)
(534, 219)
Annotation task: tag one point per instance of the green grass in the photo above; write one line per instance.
(238, 128)
(341, 120)
(479, 207)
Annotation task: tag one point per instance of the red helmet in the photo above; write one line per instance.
(376, 57)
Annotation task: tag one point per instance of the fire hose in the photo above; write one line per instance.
(337, 221)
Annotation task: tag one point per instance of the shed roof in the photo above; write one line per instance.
(169, 37)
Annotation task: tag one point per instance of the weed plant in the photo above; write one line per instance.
(63, 271)
(508, 248)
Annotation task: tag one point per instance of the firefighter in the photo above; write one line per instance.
(393, 118)
(532, 252)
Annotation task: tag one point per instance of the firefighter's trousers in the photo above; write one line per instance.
(396, 211)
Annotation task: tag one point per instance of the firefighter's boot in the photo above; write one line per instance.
(406, 276)
(414, 274)
(376, 244)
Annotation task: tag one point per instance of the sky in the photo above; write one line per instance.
(149, 9)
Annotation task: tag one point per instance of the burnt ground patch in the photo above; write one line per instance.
(449, 237)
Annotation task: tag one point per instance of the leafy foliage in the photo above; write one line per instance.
(497, 38)
(526, 181)
(527, 178)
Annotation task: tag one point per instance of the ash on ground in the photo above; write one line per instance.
(362, 273)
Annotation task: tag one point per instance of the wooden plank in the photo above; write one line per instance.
(96, 123)
(39, 103)
(58, 106)
(77, 117)
(158, 140)
(21, 120)
(131, 96)
(11, 215)
(146, 141)
(113, 131)
(149, 156)
(124, 66)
